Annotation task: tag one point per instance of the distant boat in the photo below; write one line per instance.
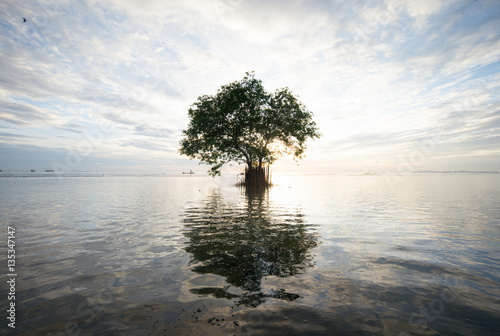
(189, 172)
(32, 170)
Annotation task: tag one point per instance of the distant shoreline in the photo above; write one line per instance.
(27, 174)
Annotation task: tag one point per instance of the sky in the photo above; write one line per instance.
(394, 86)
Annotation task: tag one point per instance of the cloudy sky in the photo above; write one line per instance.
(394, 85)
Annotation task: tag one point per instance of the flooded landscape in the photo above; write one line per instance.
(316, 254)
(231, 167)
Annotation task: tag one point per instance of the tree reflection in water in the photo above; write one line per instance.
(244, 243)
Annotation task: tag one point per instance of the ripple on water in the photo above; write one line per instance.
(332, 254)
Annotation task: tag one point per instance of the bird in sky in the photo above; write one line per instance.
(24, 20)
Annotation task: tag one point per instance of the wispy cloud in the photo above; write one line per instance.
(24, 114)
(148, 145)
(153, 131)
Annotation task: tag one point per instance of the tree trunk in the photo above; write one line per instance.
(257, 176)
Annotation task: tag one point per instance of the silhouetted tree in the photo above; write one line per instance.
(244, 123)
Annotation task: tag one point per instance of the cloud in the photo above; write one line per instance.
(13, 135)
(23, 114)
(71, 127)
(148, 145)
(117, 118)
(153, 131)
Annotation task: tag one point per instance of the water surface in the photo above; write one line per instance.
(314, 255)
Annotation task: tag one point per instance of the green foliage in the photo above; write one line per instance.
(244, 123)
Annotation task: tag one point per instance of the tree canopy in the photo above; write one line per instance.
(246, 124)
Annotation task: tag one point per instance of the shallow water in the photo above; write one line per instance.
(313, 255)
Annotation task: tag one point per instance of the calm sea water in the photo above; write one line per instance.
(313, 255)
